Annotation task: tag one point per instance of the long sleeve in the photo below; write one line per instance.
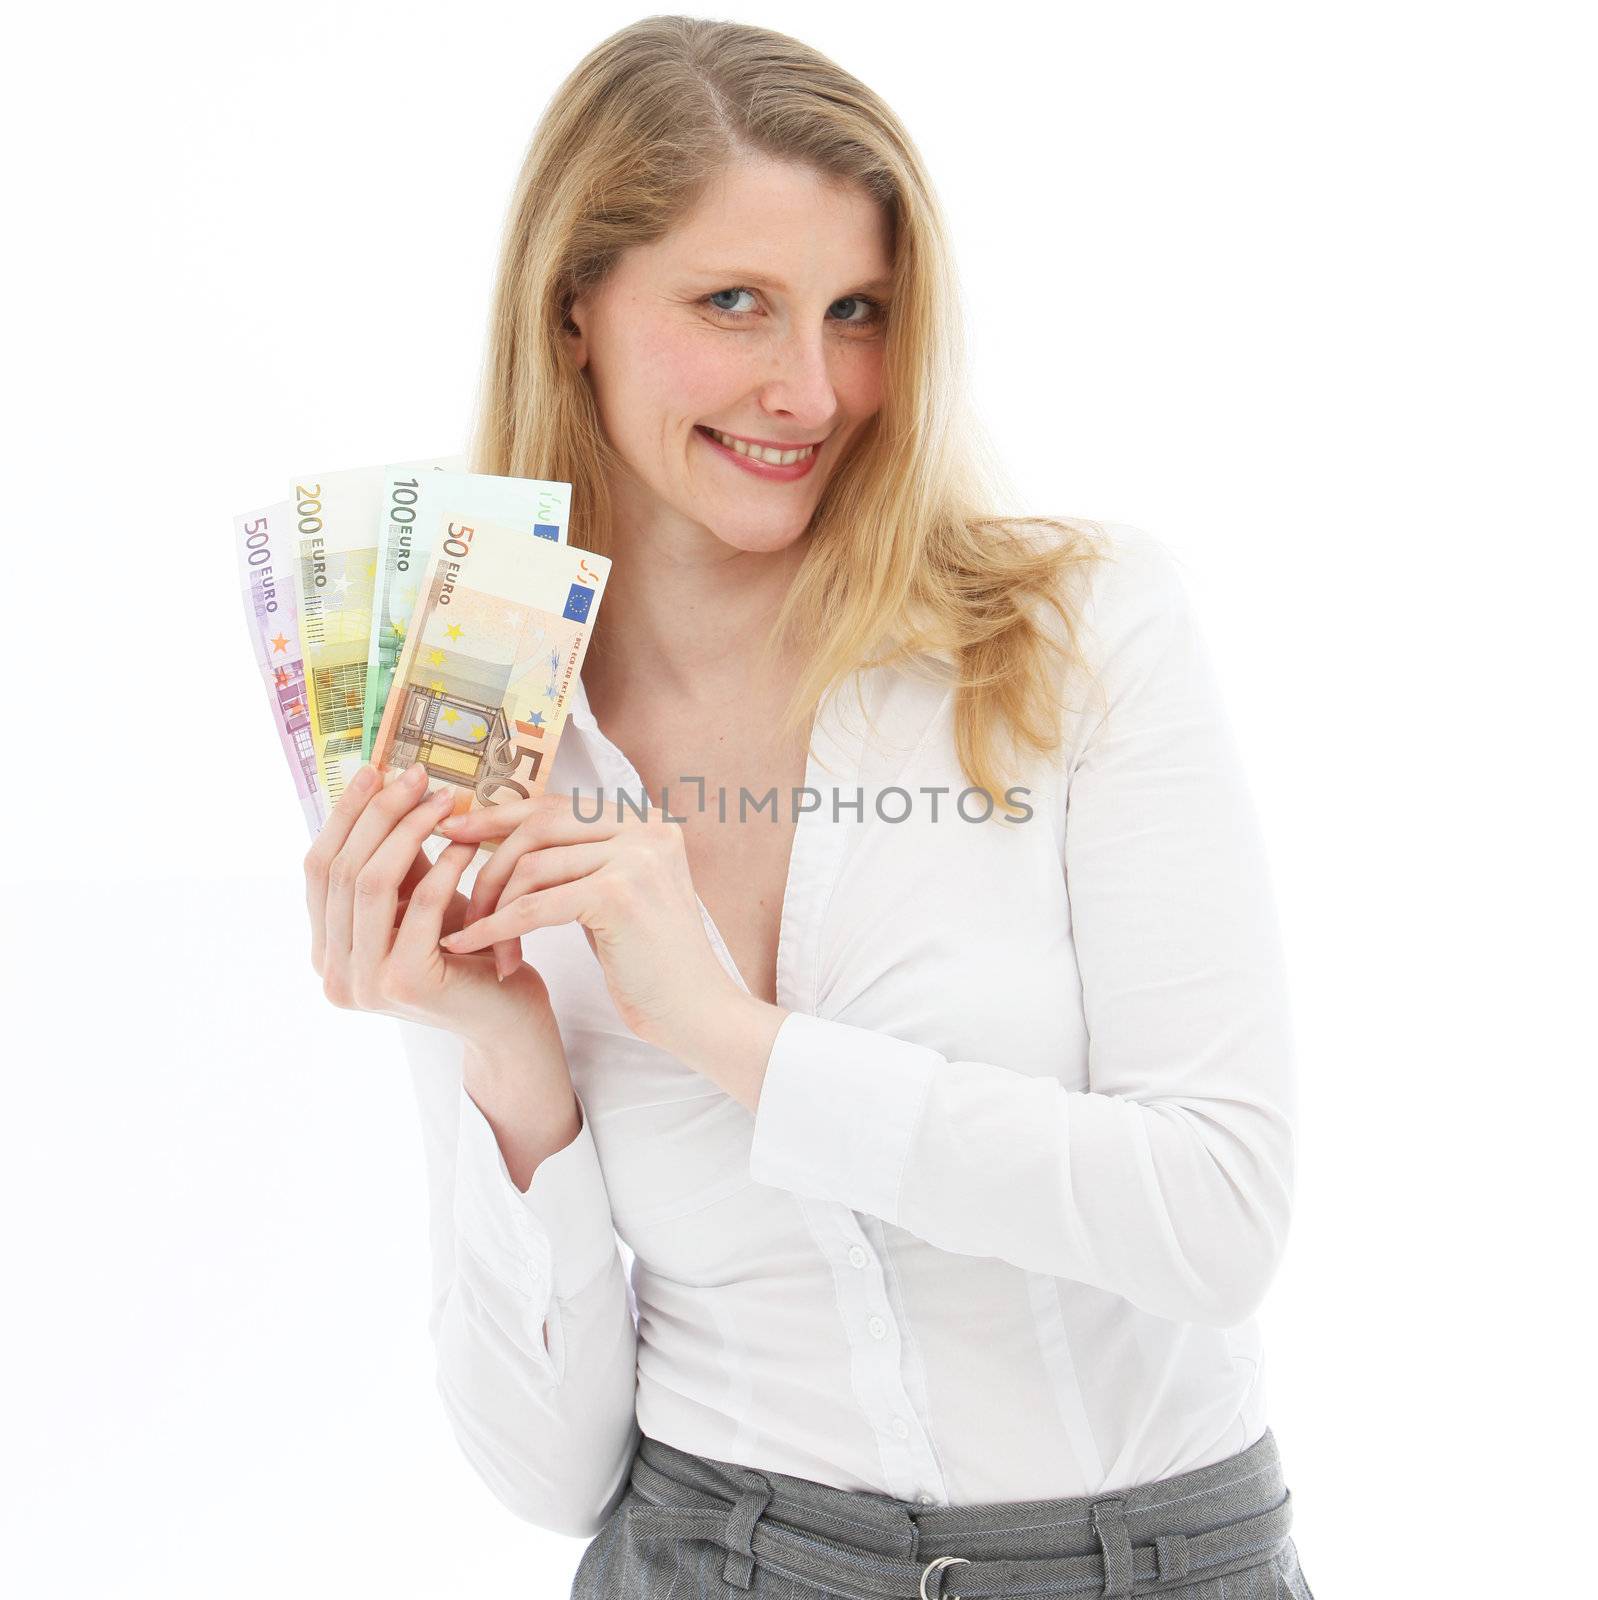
(531, 1316)
(1167, 1181)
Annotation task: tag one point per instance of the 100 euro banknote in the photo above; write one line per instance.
(336, 524)
(415, 505)
(490, 661)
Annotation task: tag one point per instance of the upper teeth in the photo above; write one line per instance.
(761, 452)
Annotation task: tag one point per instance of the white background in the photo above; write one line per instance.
(1304, 290)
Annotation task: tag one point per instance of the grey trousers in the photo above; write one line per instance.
(689, 1527)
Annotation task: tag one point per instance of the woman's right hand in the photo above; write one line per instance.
(378, 908)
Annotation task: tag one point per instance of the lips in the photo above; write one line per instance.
(770, 451)
(774, 462)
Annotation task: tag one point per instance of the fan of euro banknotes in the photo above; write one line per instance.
(418, 612)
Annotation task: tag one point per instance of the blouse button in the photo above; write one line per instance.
(901, 1427)
(877, 1326)
(857, 1256)
(925, 1499)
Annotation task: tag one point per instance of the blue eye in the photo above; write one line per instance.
(872, 310)
(860, 311)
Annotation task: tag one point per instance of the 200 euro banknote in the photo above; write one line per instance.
(335, 532)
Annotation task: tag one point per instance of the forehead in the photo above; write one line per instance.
(789, 221)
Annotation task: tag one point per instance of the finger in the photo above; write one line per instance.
(496, 821)
(417, 941)
(543, 908)
(398, 795)
(499, 821)
(419, 868)
(508, 952)
(489, 886)
(327, 844)
(377, 887)
(551, 824)
(538, 868)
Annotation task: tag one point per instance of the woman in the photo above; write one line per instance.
(945, 1105)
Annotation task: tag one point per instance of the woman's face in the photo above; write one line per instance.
(757, 319)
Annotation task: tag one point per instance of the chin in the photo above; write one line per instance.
(745, 523)
(759, 541)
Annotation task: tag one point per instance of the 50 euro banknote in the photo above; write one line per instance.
(490, 660)
(415, 506)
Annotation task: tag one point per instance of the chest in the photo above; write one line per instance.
(739, 844)
(929, 929)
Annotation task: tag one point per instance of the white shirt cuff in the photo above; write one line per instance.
(837, 1110)
(555, 1237)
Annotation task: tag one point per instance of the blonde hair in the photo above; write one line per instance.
(907, 560)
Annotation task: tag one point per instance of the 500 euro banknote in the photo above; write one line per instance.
(266, 580)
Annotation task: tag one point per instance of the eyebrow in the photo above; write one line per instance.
(762, 280)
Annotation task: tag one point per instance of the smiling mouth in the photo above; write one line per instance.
(774, 456)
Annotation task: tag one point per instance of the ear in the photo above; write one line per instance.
(576, 320)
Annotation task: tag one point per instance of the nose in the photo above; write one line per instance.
(799, 386)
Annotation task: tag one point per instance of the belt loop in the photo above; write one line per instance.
(739, 1566)
(1115, 1544)
(1171, 1549)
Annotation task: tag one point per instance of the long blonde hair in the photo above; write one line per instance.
(907, 560)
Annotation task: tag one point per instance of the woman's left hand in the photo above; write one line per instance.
(626, 881)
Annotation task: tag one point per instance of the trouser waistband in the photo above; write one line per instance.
(1205, 1523)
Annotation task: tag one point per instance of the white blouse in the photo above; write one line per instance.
(1021, 1170)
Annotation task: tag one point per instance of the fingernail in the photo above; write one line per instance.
(414, 771)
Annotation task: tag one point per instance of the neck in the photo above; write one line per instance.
(683, 615)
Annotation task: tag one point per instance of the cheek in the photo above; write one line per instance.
(665, 378)
(630, 374)
(858, 379)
